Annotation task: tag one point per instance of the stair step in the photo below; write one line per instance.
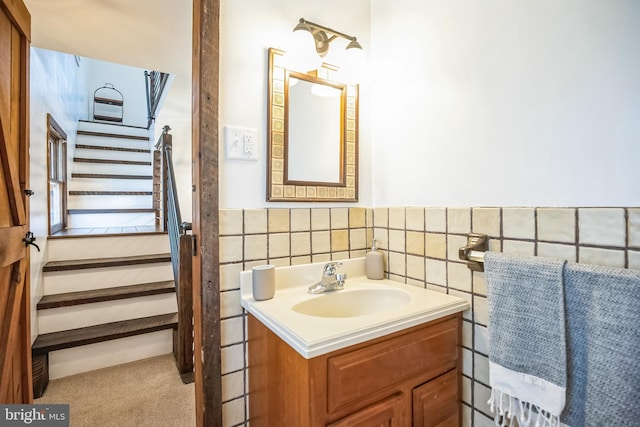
(109, 176)
(107, 294)
(112, 135)
(102, 147)
(110, 161)
(104, 262)
(109, 211)
(110, 193)
(108, 331)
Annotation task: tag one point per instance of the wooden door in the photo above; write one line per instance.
(387, 413)
(437, 402)
(15, 325)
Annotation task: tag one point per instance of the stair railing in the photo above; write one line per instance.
(181, 248)
(155, 82)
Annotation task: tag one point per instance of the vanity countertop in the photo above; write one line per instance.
(312, 336)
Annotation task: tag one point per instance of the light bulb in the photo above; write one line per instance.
(301, 54)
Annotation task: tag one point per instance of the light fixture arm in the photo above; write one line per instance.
(323, 36)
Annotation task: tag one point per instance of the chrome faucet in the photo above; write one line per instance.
(331, 280)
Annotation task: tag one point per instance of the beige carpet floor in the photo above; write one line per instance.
(143, 393)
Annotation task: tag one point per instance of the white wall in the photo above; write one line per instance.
(247, 29)
(130, 81)
(506, 103)
(58, 86)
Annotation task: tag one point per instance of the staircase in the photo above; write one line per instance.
(108, 300)
(111, 181)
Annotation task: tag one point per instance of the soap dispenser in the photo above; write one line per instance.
(374, 263)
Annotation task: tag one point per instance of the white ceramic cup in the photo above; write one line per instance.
(264, 282)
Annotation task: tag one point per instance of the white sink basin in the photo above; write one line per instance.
(346, 303)
(365, 309)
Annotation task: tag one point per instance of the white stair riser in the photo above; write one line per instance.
(79, 316)
(113, 155)
(105, 141)
(71, 361)
(86, 201)
(82, 167)
(107, 246)
(104, 184)
(111, 128)
(111, 220)
(57, 282)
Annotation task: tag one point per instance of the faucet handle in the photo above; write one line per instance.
(330, 268)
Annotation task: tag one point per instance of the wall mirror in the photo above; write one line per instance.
(312, 135)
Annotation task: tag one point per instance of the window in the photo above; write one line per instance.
(57, 141)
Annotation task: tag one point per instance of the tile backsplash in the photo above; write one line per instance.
(421, 248)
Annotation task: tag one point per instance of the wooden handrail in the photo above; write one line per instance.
(180, 242)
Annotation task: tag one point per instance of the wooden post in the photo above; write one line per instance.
(206, 269)
(183, 335)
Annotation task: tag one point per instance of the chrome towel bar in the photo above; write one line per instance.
(473, 252)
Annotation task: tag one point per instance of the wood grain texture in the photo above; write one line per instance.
(84, 264)
(435, 404)
(286, 389)
(205, 216)
(112, 135)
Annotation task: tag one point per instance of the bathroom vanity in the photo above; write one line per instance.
(340, 364)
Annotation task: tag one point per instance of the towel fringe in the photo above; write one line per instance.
(507, 408)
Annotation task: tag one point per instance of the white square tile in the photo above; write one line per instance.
(415, 267)
(415, 219)
(320, 219)
(233, 412)
(518, 223)
(396, 264)
(556, 250)
(397, 218)
(479, 283)
(466, 315)
(230, 304)
(480, 310)
(597, 256)
(459, 276)
(481, 368)
(467, 362)
(230, 221)
(557, 225)
(481, 338)
(479, 419)
(230, 249)
(381, 217)
(232, 358)
(231, 331)
(436, 219)
(634, 227)
(602, 226)
(339, 218)
(467, 334)
(396, 240)
(436, 272)
(518, 247)
(634, 259)
(255, 221)
(481, 395)
(232, 385)
(459, 220)
(466, 390)
(486, 221)
(230, 276)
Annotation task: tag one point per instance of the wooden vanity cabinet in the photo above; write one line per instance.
(408, 378)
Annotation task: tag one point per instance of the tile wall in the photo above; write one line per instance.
(421, 248)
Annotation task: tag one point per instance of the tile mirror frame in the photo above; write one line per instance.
(279, 187)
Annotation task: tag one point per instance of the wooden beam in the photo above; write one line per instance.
(206, 277)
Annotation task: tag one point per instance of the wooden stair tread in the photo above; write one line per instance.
(112, 135)
(109, 176)
(104, 332)
(107, 294)
(102, 147)
(110, 193)
(110, 161)
(105, 211)
(104, 262)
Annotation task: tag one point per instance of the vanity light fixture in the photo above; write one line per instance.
(310, 45)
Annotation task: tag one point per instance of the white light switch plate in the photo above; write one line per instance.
(240, 143)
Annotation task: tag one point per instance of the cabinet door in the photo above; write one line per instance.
(387, 413)
(437, 403)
